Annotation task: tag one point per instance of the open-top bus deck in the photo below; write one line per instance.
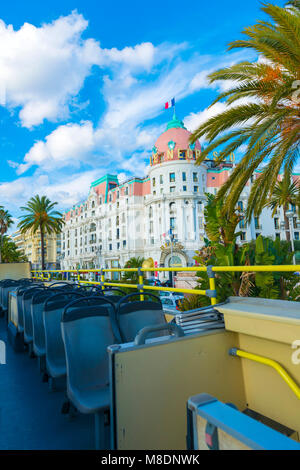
(85, 366)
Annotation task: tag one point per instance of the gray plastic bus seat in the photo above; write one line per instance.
(115, 298)
(19, 293)
(132, 316)
(38, 329)
(89, 289)
(6, 287)
(67, 285)
(55, 350)
(87, 333)
(27, 318)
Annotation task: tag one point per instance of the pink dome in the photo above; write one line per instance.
(173, 144)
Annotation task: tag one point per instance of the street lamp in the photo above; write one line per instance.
(98, 255)
(171, 238)
(290, 214)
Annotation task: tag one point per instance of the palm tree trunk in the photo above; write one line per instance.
(42, 246)
(0, 248)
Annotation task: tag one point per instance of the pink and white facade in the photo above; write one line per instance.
(135, 218)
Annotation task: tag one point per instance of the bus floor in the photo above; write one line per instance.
(30, 414)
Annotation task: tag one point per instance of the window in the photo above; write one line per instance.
(195, 177)
(243, 236)
(172, 207)
(256, 223)
(172, 189)
(161, 179)
(183, 176)
(172, 177)
(110, 246)
(184, 188)
(296, 235)
(276, 223)
(126, 191)
(240, 205)
(242, 223)
(153, 182)
(195, 189)
(172, 222)
(124, 243)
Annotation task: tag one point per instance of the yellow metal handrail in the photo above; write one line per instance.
(271, 363)
(210, 270)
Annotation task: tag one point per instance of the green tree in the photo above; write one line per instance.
(263, 108)
(285, 192)
(5, 222)
(132, 276)
(10, 253)
(41, 217)
(220, 227)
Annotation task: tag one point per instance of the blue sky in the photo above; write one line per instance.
(82, 86)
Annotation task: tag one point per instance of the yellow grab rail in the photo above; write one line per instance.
(209, 270)
(211, 292)
(271, 363)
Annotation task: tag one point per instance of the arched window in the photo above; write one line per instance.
(172, 207)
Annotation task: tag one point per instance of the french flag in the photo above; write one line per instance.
(170, 103)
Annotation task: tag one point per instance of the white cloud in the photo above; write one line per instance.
(194, 120)
(67, 190)
(42, 67)
(66, 145)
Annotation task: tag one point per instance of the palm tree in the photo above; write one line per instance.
(41, 217)
(134, 262)
(5, 222)
(285, 192)
(10, 252)
(219, 227)
(263, 108)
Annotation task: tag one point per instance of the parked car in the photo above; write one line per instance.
(154, 282)
(170, 295)
(170, 305)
